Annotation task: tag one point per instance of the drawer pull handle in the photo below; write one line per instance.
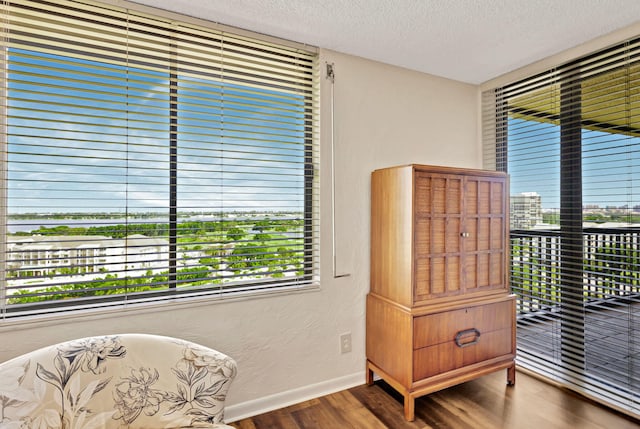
(466, 333)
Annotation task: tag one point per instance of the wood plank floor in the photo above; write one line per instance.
(485, 403)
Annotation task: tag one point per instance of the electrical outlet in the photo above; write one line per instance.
(345, 343)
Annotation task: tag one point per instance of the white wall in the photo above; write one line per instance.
(287, 346)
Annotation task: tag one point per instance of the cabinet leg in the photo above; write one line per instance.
(369, 376)
(511, 375)
(409, 408)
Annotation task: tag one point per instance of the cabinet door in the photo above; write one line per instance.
(438, 225)
(460, 235)
(484, 234)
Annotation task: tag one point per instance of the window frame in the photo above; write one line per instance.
(309, 279)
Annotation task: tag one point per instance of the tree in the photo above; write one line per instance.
(236, 234)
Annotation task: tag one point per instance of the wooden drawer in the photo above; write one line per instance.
(440, 328)
(440, 358)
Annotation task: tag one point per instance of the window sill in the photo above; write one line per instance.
(32, 321)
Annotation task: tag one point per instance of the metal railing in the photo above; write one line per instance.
(610, 269)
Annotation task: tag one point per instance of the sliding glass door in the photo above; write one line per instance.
(570, 140)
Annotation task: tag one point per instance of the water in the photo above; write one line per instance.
(28, 225)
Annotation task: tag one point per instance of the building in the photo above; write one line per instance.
(525, 210)
(77, 257)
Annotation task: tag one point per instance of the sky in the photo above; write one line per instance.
(610, 164)
(79, 142)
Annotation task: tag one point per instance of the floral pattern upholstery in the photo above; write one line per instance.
(130, 381)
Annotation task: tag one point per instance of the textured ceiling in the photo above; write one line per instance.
(466, 40)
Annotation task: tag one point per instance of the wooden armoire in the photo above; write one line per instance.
(439, 310)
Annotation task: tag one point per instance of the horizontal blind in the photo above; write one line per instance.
(148, 158)
(570, 140)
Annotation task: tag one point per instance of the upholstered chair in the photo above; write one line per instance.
(130, 381)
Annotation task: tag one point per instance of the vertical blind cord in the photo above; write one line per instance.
(222, 130)
(331, 78)
(4, 150)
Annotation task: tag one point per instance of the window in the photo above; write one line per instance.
(148, 159)
(570, 140)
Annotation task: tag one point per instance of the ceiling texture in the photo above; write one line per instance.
(471, 41)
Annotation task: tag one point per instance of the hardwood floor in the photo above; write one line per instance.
(485, 403)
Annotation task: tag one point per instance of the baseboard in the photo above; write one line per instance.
(247, 409)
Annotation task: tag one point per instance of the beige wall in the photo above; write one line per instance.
(287, 346)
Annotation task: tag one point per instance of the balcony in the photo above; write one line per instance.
(601, 323)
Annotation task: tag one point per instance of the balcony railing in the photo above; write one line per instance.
(611, 266)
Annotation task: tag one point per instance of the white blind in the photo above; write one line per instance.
(570, 140)
(148, 158)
